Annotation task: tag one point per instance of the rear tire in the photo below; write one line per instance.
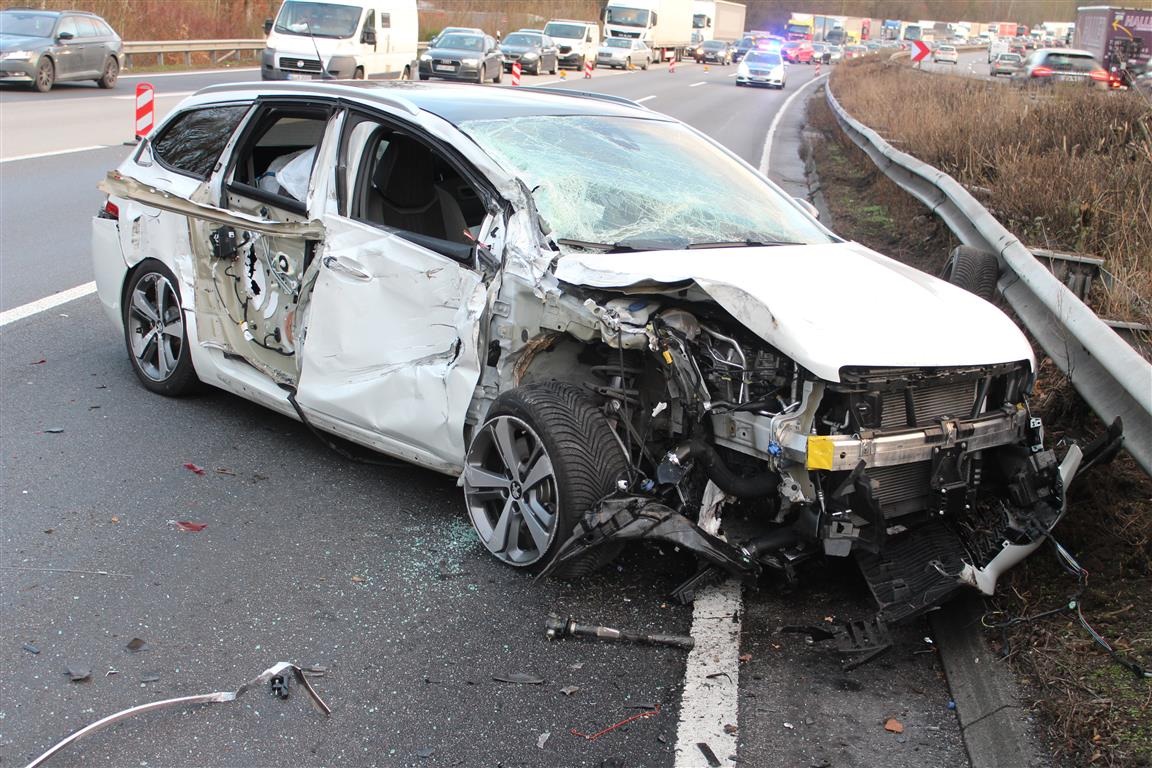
(544, 456)
(500, 74)
(358, 74)
(974, 270)
(154, 323)
(111, 73)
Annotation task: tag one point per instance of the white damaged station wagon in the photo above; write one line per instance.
(516, 288)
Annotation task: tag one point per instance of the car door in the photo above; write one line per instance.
(66, 49)
(392, 342)
(91, 46)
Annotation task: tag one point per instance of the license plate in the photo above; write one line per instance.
(444, 68)
(298, 76)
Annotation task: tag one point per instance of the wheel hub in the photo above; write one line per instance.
(515, 489)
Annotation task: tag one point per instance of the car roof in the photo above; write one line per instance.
(48, 11)
(453, 102)
(1066, 51)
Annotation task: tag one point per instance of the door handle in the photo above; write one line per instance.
(346, 268)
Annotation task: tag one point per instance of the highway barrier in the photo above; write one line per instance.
(1107, 372)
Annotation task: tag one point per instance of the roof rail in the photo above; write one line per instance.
(374, 89)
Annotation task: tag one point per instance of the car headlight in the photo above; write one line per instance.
(17, 55)
(742, 69)
(699, 50)
(470, 62)
(529, 55)
(425, 57)
(778, 72)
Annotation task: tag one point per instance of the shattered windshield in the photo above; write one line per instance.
(603, 179)
(318, 19)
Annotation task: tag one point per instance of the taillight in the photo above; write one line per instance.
(1043, 72)
(1099, 75)
(109, 211)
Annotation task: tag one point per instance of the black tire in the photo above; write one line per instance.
(111, 73)
(585, 462)
(555, 66)
(45, 76)
(480, 75)
(153, 308)
(974, 270)
(500, 74)
(358, 74)
(423, 76)
(647, 63)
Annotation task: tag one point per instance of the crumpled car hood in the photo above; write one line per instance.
(825, 306)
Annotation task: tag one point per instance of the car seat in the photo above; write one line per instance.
(405, 194)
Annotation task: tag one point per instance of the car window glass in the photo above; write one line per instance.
(385, 21)
(192, 142)
(370, 20)
(572, 165)
(103, 28)
(85, 27)
(67, 24)
(398, 182)
(279, 156)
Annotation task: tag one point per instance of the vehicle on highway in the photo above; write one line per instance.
(577, 41)
(855, 51)
(624, 53)
(536, 52)
(463, 56)
(997, 47)
(834, 53)
(946, 53)
(463, 30)
(713, 52)
(462, 278)
(43, 48)
(797, 52)
(1005, 64)
(1062, 65)
(312, 40)
(762, 68)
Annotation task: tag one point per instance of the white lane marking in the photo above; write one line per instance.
(702, 82)
(646, 98)
(732, 75)
(46, 303)
(765, 154)
(710, 700)
(52, 154)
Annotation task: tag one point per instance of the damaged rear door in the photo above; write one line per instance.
(390, 356)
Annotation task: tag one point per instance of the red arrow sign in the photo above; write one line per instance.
(922, 50)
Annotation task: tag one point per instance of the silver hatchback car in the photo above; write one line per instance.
(46, 47)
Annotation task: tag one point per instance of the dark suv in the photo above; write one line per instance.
(44, 47)
(1063, 65)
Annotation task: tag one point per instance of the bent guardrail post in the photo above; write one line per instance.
(1108, 373)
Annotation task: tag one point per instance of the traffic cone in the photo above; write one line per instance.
(587, 70)
(705, 67)
(817, 69)
(515, 73)
(563, 74)
(672, 65)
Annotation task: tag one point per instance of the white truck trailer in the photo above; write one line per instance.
(665, 26)
(717, 20)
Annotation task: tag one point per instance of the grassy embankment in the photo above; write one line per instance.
(1067, 170)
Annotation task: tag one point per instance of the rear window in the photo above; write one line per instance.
(191, 144)
(568, 31)
(1070, 62)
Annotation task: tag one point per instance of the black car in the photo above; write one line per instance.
(463, 56)
(45, 47)
(536, 53)
(713, 52)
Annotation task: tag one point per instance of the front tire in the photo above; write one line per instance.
(544, 456)
(154, 331)
(45, 76)
(500, 74)
(974, 270)
(111, 73)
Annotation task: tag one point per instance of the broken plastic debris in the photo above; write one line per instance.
(358, 579)
(892, 725)
(730, 729)
(425, 752)
(188, 527)
(519, 677)
(789, 726)
(568, 690)
(225, 471)
(136, 644)
(193, 468)
(208, 698)
(745, 658)
(149, 678)
(709, 755)
(31, 649)
(41, 361)
(638, 716)
(54, 430)
(78, 672)
(542, 739)
(114, 519)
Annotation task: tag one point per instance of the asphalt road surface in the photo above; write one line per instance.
(372, 573)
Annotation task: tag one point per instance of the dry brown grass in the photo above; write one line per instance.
(1067, 168)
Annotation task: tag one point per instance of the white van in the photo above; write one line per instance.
(344, 39)
(578, 40)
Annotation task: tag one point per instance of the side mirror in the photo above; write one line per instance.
(368, 36)
(812, 210)
(65, 36)
(267, 26)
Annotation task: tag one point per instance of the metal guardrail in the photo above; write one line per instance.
(185, 48)
(1110, 375)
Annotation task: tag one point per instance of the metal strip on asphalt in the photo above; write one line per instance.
(46, 303)
(710, 703)
(764, 156)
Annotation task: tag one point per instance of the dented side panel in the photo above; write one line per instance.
(390, 344)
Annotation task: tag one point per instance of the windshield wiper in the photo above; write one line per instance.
(628, 245)
(740, 244)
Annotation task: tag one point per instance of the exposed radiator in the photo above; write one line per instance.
(903, 488)
(930, 403)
